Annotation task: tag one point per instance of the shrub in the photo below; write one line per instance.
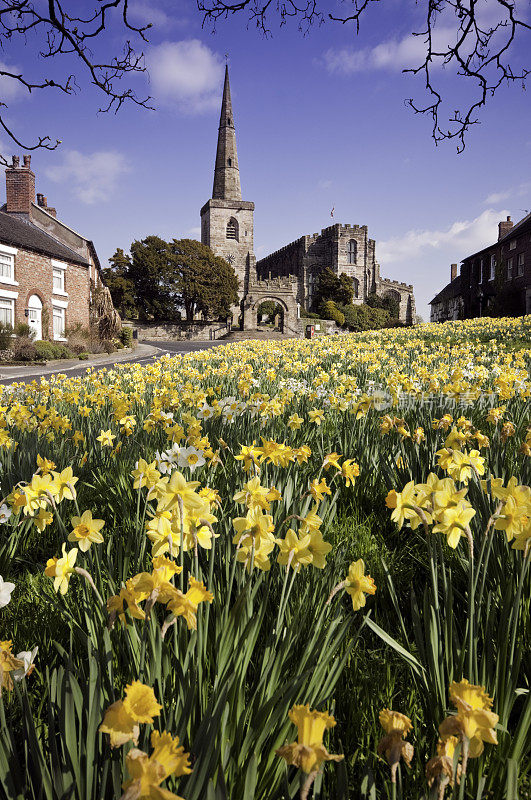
(25, 350)
(6, 333)
(23, 331)
(77, 347)
(46, 350)
(83, 356)
(108, 346)
(126, 336)
(329, 310)
(309, 314)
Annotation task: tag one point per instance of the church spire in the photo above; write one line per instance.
(226, 173)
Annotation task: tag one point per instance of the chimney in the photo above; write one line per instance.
(42, 202)
(504, 228)
(20, 186)
(453, 272)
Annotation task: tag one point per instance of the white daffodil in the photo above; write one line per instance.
(191, 457)
(28, 657)
(5, 592)
(5, 513)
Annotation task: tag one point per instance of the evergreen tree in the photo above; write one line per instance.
(206, 283)
(117, 279)
(327, 288)
(155, 278)
(331, 287)
(345, 292)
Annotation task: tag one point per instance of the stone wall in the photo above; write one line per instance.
(178, 331)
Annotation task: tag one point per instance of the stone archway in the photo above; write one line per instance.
(255, 308)
(281, 291)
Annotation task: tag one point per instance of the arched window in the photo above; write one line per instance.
(232, 229)
(352, 251)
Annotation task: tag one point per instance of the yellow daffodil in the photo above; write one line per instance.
(357, 584)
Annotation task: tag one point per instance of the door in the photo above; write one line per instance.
(35, 316)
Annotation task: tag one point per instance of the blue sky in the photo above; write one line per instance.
(321, 122)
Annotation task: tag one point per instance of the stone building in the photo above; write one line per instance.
(227, 228)
(495, 280)
(47, 270)
(341, 248)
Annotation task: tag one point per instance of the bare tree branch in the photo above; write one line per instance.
(471, 37)
(61, 31)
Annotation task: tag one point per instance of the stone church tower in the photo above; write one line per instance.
(226, 219)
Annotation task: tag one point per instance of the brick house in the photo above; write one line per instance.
(493, 281)
(48, 272)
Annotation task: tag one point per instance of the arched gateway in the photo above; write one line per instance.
(279, 290)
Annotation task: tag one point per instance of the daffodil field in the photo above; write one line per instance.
(272, 570)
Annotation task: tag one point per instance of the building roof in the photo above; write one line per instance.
(21, 233)
(515, 229)
(451, 290)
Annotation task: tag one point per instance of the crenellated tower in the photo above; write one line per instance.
(227, 220)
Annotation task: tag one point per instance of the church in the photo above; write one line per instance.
(288, 275)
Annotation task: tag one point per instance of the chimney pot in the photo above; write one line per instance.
(453, 271)
(508, 219)
(16, 162)
(27, 161)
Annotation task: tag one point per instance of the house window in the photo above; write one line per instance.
(509, 269)
(7, 311)
(352, 251)
(58, 323)
(232, 229)
(58, 279)
(58, 270)
(492, 267)
(520, 264)
(7, 266)
(482, 276)
(512, 244)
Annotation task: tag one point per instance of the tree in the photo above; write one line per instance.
(472, 37)
(387, 303)
(60, 28)
(155, 278)
(206, 283)
(117, 279)
(327, 288)
(331, 287)
(346, 290)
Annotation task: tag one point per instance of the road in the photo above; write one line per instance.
(75, 371)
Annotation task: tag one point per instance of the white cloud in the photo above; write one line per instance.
(324, 184)
(10, 88)
(93, 177)
(143, 12)
(517, 191)
(459, 240)
(186, 73)
(394, 54)
(194, 232)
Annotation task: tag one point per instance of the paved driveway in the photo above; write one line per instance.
(147, 353)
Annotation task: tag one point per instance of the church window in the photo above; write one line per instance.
(229, 162)
(232, 229)
(352, 251)
(356, 287)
